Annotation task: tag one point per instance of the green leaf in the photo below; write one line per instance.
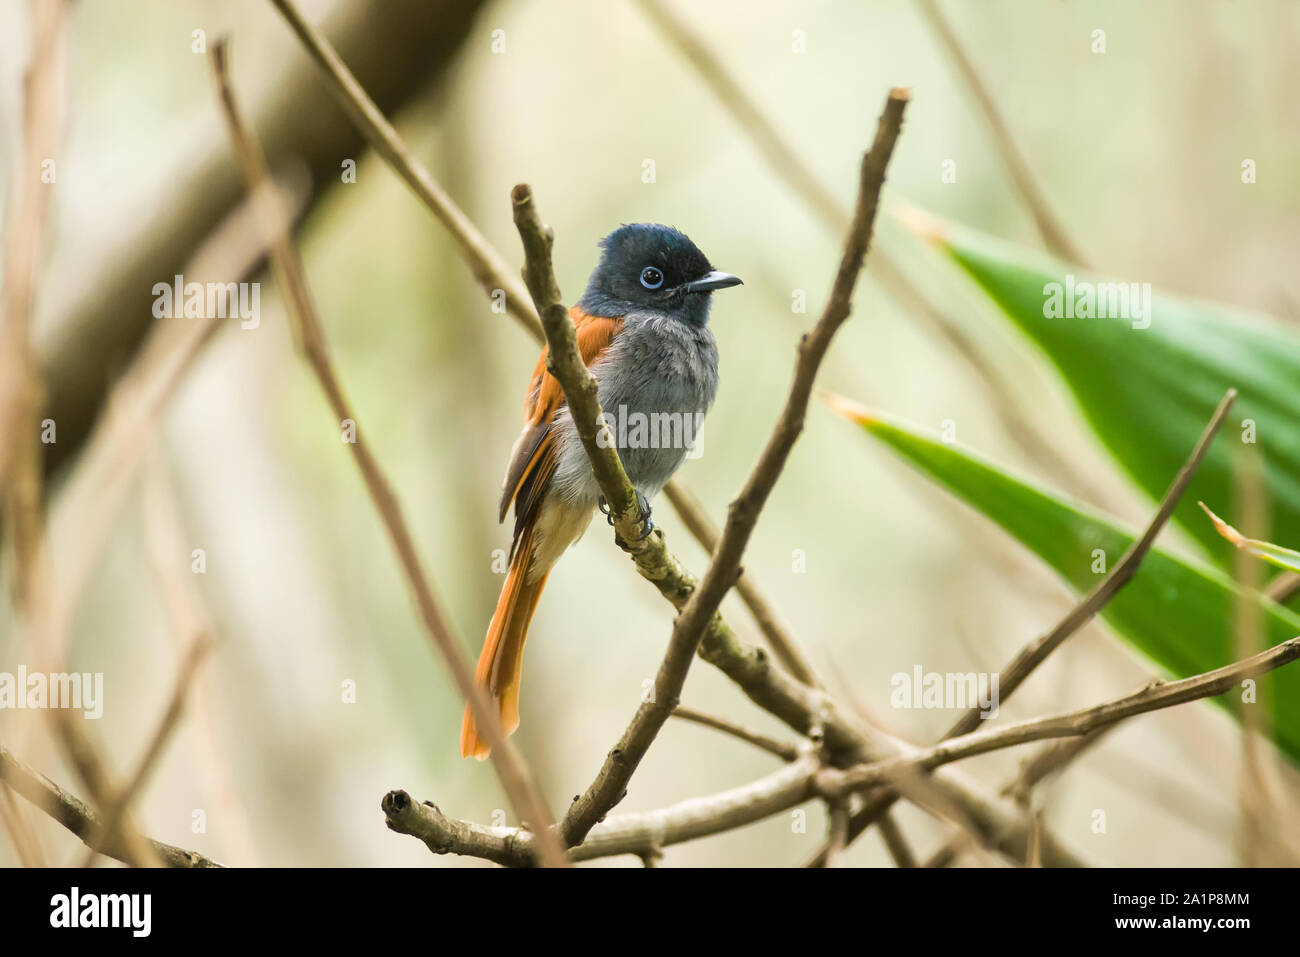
(1273, 554)
(1179, 614)
(1148, 392)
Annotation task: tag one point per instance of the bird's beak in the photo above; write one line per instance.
(714, 280)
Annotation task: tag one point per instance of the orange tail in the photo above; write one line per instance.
(501, 661)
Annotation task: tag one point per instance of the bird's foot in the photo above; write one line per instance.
(644, 510)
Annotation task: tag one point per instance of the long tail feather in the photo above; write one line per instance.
(501, 661)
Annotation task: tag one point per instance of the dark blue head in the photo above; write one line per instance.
(650, 268)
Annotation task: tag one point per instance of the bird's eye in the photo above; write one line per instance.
(651, 277)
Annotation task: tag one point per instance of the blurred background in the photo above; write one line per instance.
(1137, 151)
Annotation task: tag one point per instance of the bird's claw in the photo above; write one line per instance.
(643, 505)
(644, 510)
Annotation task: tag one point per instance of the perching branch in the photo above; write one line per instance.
(514, 773)
(701, 607)
(564, 361)
(66, 809)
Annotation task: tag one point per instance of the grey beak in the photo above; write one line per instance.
(714, 280)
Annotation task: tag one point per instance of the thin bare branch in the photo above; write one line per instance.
(779, 638)
(1155, 696)
(1022, 177)
(1037, 651)
(784, 751)
(484, 261)
(73, 814)
(800, 178)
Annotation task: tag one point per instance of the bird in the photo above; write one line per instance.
(642, 330)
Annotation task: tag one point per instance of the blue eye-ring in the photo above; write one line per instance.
(651, 277)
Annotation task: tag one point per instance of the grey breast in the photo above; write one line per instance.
(657, 381)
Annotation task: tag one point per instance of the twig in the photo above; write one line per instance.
(786, 752)
(743, 513)
(21, 390)
(780, 639)
(1155, 696)
(21, 467)
(67, 810)
(1034, 653)
(838, 827)
(483, 260)
(187, 614)
(622, 834)
(514, 773)
(1022, 177)
(1283, 588)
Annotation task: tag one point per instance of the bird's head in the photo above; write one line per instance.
(645, 267)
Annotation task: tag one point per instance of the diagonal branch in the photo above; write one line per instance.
(1154, 697)
(66, 809)
(1036, 652)
(702, 605)
(514, 773)
(484, 261)
(1022, 177)
(784, 751)
(781, 156)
